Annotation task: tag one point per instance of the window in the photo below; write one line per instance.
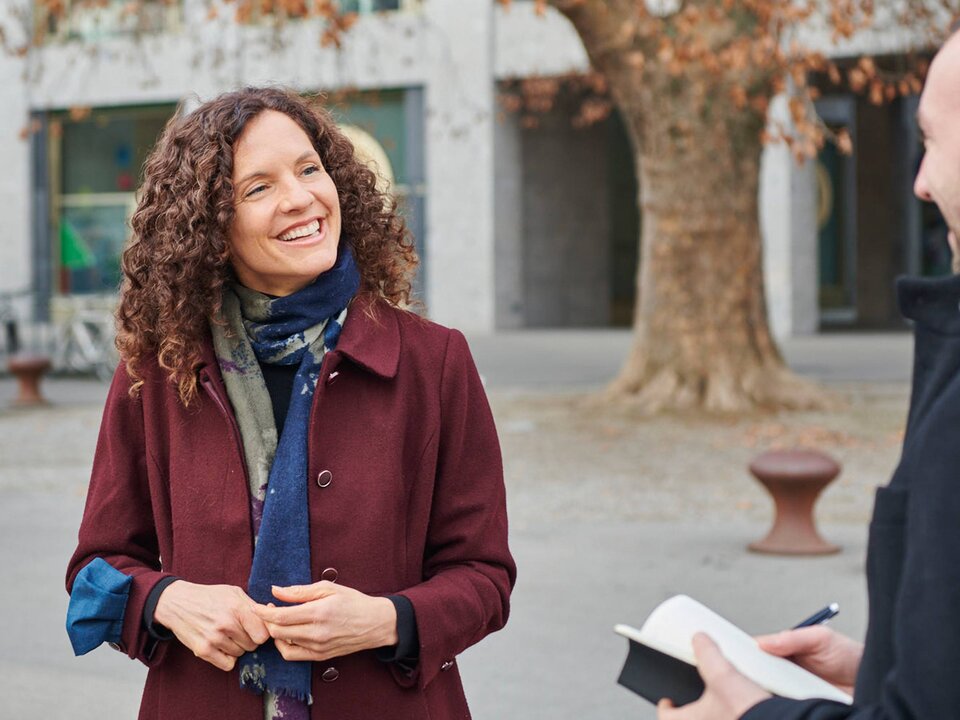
(91, 20)
(95, 160)
(386, 126)
(371, 6)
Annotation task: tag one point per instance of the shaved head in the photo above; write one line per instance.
(938, 180)
(946, 68)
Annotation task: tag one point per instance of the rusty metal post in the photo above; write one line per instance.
(29, 370)
(795, 479)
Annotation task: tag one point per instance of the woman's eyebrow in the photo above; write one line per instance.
(261, 173)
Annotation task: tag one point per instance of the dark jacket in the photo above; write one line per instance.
(415, 507)
(912, 651)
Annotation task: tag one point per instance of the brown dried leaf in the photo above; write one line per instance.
(739, 96)
(843, 141)
(868, 66)
(79, 112)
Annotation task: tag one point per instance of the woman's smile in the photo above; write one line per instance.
(309, 231)
(286, 230)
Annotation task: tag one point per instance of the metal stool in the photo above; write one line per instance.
(794, 478)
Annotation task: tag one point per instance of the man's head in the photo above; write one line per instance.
(939, 117)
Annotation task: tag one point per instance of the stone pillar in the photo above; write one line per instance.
(508, 223)
(788, 224)
(460, 168)
(15, 180)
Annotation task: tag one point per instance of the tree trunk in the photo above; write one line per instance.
(700, 324)
(701, 339)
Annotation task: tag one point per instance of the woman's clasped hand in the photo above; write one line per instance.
(219, 623)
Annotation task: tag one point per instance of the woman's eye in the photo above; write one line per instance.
(310, 170)
(254, 190)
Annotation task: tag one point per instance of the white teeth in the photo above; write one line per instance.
(302, 231)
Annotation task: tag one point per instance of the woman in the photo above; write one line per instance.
(297, 506)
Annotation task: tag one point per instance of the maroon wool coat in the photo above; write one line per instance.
(415, 506)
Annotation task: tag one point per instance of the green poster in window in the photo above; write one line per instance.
(74, 251)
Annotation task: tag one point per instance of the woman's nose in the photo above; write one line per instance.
(295, 197)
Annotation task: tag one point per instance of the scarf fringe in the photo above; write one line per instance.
(253, 679)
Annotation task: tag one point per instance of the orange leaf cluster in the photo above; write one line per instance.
(743, 52)
(535, 96)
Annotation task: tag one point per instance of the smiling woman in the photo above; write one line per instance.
(243, 536)
(287, 225)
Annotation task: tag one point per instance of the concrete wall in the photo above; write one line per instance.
(531, 44)
(508, 221)
(788, 214)
(459, 147)
(15, 248)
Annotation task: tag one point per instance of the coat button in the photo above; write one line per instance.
(324, 478)
(447, 665)
(330, 674)
(330, 575)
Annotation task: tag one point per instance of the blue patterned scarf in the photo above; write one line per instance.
(294, 330)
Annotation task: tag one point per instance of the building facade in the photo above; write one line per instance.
(516, 227)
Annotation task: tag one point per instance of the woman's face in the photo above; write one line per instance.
(287, 224)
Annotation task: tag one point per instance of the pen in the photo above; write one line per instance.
(821, 616)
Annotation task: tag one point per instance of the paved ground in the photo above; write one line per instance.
(610, 514)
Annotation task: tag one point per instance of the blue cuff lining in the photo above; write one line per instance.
(97, 605)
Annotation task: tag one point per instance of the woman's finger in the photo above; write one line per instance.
(254, 628)
(213, 654)
(288, 615)
(304, 593)
(228, 645)
(294, 652)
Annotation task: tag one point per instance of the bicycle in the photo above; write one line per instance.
(10, 325)
(85, 343)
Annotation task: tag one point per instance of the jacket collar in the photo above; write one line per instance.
(370, 337)
(931, 302)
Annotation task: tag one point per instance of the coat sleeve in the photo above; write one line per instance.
(925, 622)
(467, 565)
(117, 560)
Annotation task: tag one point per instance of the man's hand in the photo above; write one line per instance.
(329, 621)
(728, 694)
(217, 622)
(832, 656)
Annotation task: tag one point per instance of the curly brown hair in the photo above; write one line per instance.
(178, 260)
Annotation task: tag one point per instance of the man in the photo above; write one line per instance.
(906, 669)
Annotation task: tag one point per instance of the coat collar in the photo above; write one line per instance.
(931, 302)
(370, 337)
